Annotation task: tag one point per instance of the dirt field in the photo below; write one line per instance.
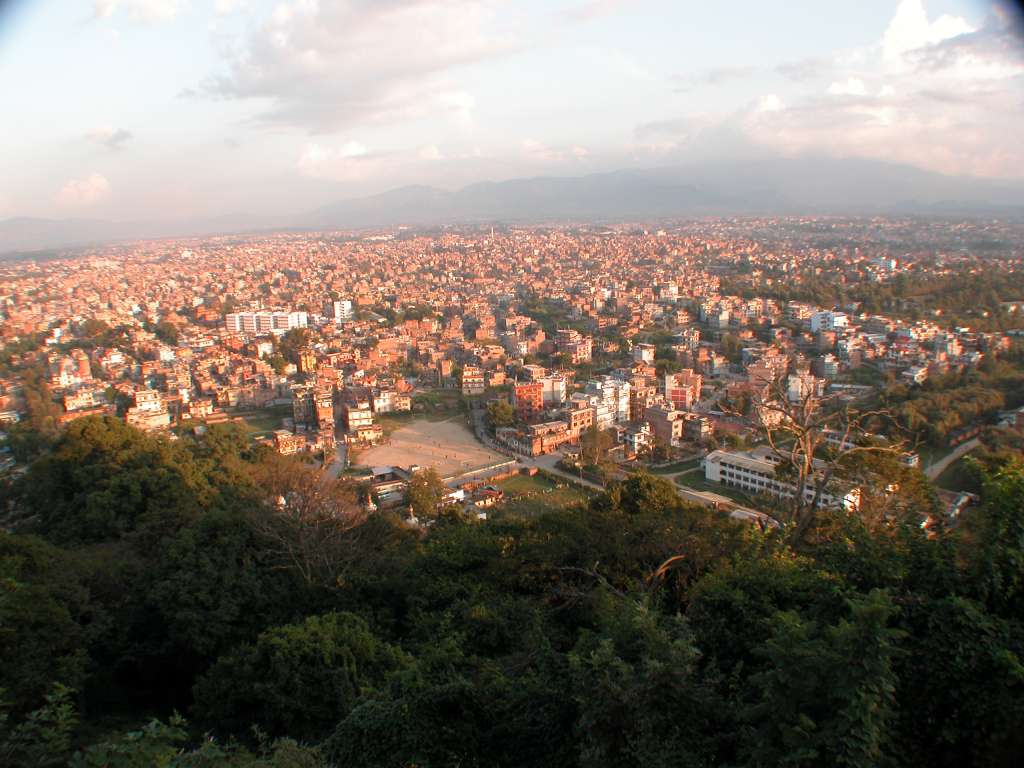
(448, 446)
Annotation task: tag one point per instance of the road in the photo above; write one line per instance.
(340, 461)
(936, 469)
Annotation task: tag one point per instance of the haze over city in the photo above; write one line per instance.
(188, 109)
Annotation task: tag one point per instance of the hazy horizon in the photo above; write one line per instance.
(166, 109)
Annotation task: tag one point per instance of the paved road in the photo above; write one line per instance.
(936, 469)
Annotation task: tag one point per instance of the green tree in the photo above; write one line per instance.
(814, 706)
(425, 493)
(42, 608)
(291, 343)
(105, 479)
(500, 414)
(299, 679)
(641, 701)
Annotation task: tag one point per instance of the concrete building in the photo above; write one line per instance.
(754, 472)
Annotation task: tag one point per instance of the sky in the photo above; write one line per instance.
(160, 109)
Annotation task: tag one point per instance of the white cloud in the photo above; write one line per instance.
(224, 7)
(83, 192)
(770, 103)
(938, 94)
(348, 161)
(140, 10)
(853, 86)
(430, 152)
(537, 151)
(911, 29)
(325, 67)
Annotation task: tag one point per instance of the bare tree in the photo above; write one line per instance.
(308, 520)
(813, 440)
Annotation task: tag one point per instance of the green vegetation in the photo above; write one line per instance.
(932, 412)
(677, 466)
(531, 496)
(500, 414)
(146, 577)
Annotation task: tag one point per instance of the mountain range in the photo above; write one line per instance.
(777, 186)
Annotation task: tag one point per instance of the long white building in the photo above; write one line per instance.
(264, 321)
(754, 472)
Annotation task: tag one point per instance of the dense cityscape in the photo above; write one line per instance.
(588, 352)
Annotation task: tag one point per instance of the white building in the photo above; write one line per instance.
(828, 321)
(340, 311)
(264, 322)
(754, 472)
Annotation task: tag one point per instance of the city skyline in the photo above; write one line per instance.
(168, 108)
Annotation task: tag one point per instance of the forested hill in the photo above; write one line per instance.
(202, 603)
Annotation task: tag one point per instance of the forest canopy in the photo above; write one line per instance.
(198, 602)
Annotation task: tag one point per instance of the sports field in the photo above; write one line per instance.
(448, 446)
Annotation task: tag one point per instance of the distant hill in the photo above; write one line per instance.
(775, 186)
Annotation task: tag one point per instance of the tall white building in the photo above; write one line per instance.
(340, 311)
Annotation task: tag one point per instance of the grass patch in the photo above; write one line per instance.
(676, 467)
(531, 496)
(958, 477)
(698, 483)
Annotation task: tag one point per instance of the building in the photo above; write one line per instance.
(579, 348)
(307, 361)
(638, 438)
(613, 394)
(528, 399)
(149, 412)
(682, 389)
(473, 382)
(264, 322)
(754, 472)
(666, 424)
(339, 311)
(697, 429)
(644, 353)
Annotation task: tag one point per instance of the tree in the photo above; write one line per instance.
(104, 479)
(42, 609)
(166, 331)
(291, 343)
(500, 414)
(814, 707)
(812, 439)
(307, 521)
(43, 738)
(641, 701)
(425, 493)
(299, 679)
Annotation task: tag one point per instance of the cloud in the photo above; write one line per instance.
(325, 67)
(592, 9)
(853, 86)
(932, 92)
(537, 151)
(806, 69)
(347, 161)
(711, 77)
(113, 139)
(910, 29)
(140, 10)
(84, 192)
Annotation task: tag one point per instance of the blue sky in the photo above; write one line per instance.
(176, 108)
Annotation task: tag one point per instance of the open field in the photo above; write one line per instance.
(678, 466)
(541, 493)
(448, 446)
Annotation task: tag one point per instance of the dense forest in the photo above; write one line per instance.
(199, 602)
